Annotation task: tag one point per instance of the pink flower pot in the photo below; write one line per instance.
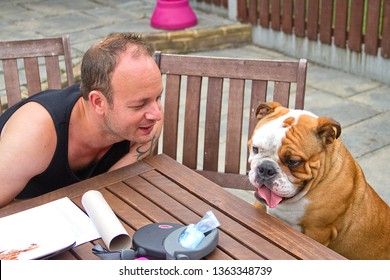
(173, 15)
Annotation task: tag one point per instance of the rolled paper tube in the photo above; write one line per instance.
(106, 222)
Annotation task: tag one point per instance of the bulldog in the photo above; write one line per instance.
(305, 176)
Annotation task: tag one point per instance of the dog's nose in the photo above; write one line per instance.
(266, 171)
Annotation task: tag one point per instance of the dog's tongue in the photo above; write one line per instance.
(271, 198)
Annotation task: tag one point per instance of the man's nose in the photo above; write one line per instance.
(155, 112)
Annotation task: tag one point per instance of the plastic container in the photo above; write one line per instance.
(173, 15)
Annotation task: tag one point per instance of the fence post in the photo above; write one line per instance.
(242, 10)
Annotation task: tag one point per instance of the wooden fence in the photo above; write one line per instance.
(359, 25)
(219, 3)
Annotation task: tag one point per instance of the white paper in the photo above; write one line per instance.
(111, 230)
(71, 215)
(52, 227)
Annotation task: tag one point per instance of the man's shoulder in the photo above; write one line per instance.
(33, 113)
(57, 103)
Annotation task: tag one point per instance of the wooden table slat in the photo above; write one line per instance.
(84, 252)
(180, 214)
(262, 223)
(180, 197)
(159, 189)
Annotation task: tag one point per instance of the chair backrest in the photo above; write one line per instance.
(210, 105)
(31, 55)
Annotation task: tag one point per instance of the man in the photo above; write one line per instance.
(112, 119)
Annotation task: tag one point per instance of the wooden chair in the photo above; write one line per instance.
(210, 104)
(27, 55)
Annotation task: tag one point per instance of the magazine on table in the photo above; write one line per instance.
(44, 231)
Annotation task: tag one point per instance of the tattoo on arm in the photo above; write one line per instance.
(146, 149)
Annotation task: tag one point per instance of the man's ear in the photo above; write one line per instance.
(98, 101)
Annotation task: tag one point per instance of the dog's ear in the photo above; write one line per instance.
(265, 109)
(328, 130)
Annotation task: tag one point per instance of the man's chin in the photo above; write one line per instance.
(143, 139)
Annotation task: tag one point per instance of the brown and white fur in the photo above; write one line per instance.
(305, 176)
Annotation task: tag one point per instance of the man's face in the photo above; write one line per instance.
(136, 105)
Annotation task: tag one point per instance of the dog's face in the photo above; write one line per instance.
(285, 152)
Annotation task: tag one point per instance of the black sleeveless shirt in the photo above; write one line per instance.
(59, 103)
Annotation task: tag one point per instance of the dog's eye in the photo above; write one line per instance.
(255, 150)
(293, 164)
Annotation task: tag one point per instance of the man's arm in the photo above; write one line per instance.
(26, 149)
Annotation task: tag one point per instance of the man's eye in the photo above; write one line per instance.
(255, 150)
(136, 107)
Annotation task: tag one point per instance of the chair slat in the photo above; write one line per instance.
(68, 61)
(53, 72)
(171, 115)
(282, 93)
(31, 48)
(231, 68)
(234, 126)
(258, 94)
(301, 84)
(32, 75)
(213, 125)
(11, 79)
(191, 125)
